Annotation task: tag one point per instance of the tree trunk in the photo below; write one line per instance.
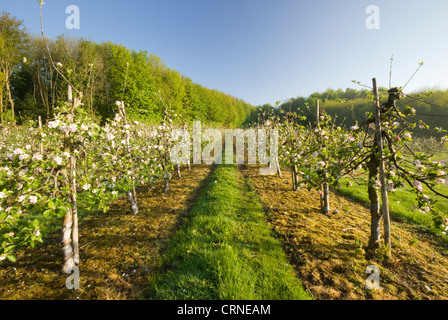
(325, 198)
(1, 105)
(293, 178)
(279, 171)
(41, 145)
(11, 101)
(178, 171)
(167, 181)
(375, 211)
(75, 231)
(67, 249)
(134, 208)
(134, 193)
(167, 186)
(384, 195)
(70, 232)
(131, 195)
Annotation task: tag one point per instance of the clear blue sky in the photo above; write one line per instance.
(266, 50)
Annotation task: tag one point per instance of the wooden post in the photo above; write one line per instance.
(75, 230)
(293, 179)
(325, 188)
(318, 126)
(69, 94)
(131, 194)
(187, 136)
(384, 195)
(41, 145)
(326, 198)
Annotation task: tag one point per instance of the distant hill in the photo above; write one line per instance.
(350, 106)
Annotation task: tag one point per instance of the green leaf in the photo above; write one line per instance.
(11, 258)
(47, 213)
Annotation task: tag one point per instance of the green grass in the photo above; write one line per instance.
(226, 250)
(437, 157)
(440, 156)
(401, 203)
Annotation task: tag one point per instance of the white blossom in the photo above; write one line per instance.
(37, 157)
(58, 160)
(54, 124)
(23, 156)
(73, 127)
(419, 186)
(110, 136)
(18, 151)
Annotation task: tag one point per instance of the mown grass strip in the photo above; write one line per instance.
(401, 203)
(226, 250)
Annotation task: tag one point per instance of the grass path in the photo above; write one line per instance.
(226, 250)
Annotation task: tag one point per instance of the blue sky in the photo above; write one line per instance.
(267, 50)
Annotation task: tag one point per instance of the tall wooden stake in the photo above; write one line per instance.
(131, 194)
(384, 195)
(41, 145)
(325, 188)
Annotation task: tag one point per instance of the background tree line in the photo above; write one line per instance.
(30, 85)
(350, 106)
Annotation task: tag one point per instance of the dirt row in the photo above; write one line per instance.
(119, 252)
(329, 252)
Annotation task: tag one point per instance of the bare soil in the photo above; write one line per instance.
(329, 252)
(119, 251)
